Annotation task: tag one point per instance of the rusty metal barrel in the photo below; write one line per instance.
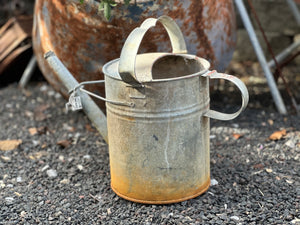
(84, 40)
(159, 139)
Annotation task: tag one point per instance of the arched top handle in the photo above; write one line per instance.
(132, 44)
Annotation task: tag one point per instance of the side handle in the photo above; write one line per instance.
(239, 84)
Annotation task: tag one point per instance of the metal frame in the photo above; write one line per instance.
(266, 66)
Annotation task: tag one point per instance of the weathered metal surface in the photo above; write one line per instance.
(159, 143)
(159, 149)
(89, 106)
(84, 40)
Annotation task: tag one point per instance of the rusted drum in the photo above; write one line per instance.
(82, 38)
(158, 119)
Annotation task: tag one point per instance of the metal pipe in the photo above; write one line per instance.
(89, 106)
(285, 53)
(28, 72)
(261, 58)
(294, 8)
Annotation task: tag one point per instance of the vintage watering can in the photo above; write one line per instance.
(157, 117)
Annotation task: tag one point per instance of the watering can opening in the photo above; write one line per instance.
(179, 65)
(157, 67)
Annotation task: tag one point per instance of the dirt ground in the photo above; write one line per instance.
(54, 166)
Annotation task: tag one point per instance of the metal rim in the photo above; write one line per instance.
(203, 61)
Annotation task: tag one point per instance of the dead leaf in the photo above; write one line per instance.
(26, 92)
(271, 122)
(40, 130)
(258, 166)
(68, 127)
(42, 108)
(37, 155)
(64, 143)
(44, 146)
(277, 135)
(39, 114)
(8, 145)
(89, 128)
(32, 130)
(237, 136)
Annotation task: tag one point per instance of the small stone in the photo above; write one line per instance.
(269, 170)
(23, 214)
(87, 157)
(57, 95)
(235, 125)
(51, 93)
(204, 217)
(65, 181)
(2, 184)
(43, 88)
(35, 143)
(19, 179)
(290, 143)
(61, 158)
(67, 205)
(51, 173)
(213, 182)
(5, 158)
(57, 214)
(44, 168)
(235, 218)
(108, 211)
(80, 167)
(295, 221)
(9, 200)
(18, 194)
(51, 218)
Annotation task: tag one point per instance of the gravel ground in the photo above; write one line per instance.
(58, 170)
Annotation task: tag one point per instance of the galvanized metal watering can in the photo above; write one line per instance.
(157, 118)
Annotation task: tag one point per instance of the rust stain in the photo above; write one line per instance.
(122, 187)
(196, 15)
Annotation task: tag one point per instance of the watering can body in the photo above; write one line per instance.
(159, 149)
(159, 136)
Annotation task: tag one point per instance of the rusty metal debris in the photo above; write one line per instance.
(15, 38)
